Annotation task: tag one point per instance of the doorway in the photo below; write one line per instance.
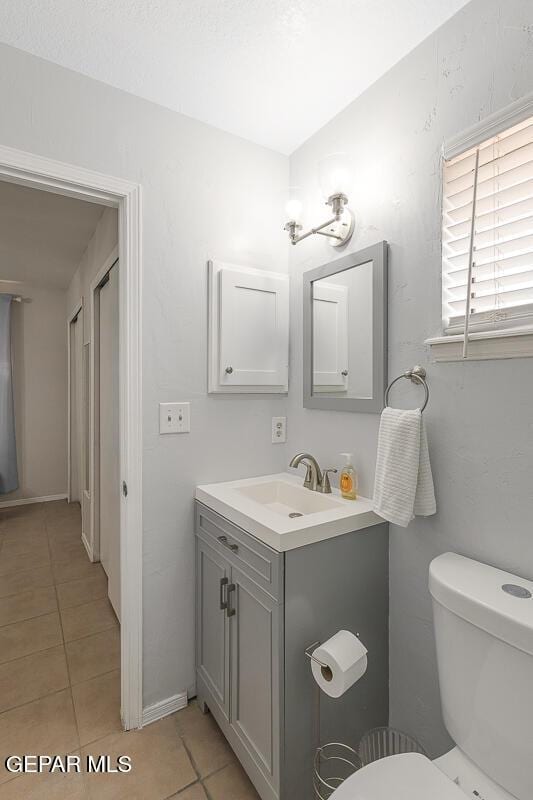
(68, 180)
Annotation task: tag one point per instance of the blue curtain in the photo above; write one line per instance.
(8, 449)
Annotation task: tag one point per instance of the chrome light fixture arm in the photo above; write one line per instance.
(341, 224)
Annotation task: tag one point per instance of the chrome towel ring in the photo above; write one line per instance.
(416, 375)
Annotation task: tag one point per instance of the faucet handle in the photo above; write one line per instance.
(326, 485)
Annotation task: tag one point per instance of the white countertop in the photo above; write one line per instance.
(261, 506)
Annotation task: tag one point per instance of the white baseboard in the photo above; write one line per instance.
(164, 708)
(25, 501)
(87, 547)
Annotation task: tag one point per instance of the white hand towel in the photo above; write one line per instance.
(403, 485)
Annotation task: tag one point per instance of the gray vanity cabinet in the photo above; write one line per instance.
(238, 634)
(257, 612)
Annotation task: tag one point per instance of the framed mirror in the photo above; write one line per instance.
(345, 332)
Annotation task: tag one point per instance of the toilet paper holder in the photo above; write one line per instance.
(324, 668)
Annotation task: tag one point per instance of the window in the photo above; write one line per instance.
(487, 234)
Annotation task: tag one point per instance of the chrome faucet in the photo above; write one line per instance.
(315, 479)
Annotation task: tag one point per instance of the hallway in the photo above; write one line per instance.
(60, 678)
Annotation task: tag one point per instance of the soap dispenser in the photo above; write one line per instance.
(348, 479)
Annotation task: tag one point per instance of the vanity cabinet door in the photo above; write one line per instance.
(212, 637)
(255, 673)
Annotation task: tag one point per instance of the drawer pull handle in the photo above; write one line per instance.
(223, 600)
(229, 610)
(224, 541)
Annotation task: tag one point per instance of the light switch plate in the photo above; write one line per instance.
(279, 430)
(174, 417)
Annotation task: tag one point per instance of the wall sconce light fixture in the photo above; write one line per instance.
(335, 174)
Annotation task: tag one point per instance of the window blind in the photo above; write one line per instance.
(501, 286)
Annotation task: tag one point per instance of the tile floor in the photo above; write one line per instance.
(60, 679)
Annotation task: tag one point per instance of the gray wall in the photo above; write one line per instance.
(480, 416)
(203, 191)
(39, 346)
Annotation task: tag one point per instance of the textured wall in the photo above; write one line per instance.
(480, 416)
(204, 193)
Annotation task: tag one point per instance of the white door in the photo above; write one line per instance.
(330, 337)
(75, 408)
(109, 435)
(254, 322)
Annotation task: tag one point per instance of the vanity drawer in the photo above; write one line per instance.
(260, 563)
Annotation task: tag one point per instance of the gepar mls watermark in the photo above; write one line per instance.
(65, 764)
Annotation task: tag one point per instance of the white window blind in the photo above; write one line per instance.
(501, 287)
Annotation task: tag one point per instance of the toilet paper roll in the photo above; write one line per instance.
(344, 657)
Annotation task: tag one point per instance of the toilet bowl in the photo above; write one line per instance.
(483, 621)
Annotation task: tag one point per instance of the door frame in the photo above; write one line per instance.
(38, 172)
(78, 309)
(94, 415)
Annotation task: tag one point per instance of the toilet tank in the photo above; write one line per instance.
(484, 634)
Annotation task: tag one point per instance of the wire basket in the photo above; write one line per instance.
(333, 763)
(382, 742)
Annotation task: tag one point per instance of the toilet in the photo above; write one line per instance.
(483, 621)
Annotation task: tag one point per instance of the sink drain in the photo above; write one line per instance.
(295, 514)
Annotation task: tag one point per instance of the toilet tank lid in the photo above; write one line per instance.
(496, 601)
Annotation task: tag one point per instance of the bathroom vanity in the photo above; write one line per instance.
(279, 568)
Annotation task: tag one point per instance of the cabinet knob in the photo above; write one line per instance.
(229, 370)
(344, 373)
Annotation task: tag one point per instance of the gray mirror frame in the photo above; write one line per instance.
(378, 254)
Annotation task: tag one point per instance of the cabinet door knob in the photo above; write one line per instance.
(344, 373)
(229, 370)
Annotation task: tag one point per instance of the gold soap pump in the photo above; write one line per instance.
(348, 479)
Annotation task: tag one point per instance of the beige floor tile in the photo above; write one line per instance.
(28, 511)
(56, 786)
(230, 782)
(23, 544)
(22, 563)
(75, 569)
(203, 738)
(26, 605)
(66, 523)
(30, 636)
(87, 619)
(160, 764)
(60, 508)
(93, 655)
(63, 530)
(15, 529)
(84, 590)
(67, 551)
(24, 581)
(44, 726)
(32, 677)
(97, 707)
(194, 792)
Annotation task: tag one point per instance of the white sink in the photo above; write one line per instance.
(280, 512)
(285, 498)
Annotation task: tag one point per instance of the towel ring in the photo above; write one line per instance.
(416, 375)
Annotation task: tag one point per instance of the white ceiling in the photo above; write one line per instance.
(42, 235)
(272, 71)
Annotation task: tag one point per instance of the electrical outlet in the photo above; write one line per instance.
(174, 417)
(279, 430)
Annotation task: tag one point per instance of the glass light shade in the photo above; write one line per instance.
(335, 174)
(294, 205)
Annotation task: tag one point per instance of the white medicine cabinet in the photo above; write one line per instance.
(248, 330)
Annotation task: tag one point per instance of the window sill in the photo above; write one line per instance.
(484, 345)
